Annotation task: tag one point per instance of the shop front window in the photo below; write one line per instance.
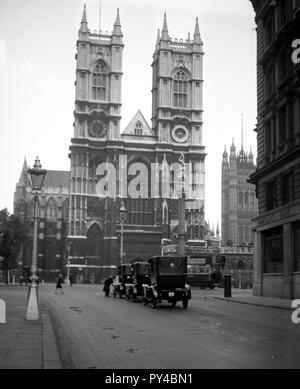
(273, 250)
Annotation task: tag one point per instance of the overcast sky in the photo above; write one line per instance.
(37, 74)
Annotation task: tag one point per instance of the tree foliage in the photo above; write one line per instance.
(12, 235)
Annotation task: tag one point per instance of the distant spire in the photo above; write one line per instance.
(189, 38)
(23, 180)
(197, 37)
(84, 23)
(218, 230)
(165, 33)
(99, 17)
(158, 37)
(232, 148)
(118, 22)
(117, 25)
(251, 156)
(84, 18)
(242, 141)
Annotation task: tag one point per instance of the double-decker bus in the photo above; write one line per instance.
(205, 270)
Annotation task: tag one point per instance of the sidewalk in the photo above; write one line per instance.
(25, 344)
(269, 302)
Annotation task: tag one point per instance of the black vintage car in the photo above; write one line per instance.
(124, 277)
(168, 281)
(140, 276)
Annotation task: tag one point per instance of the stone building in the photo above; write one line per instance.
(138, 167)
(277, 177)
(239, 203)
(53, 221)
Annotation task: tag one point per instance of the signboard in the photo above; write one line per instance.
(198, 261)
(172, 249)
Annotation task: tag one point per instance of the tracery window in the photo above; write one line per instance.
(51, 210)
(99, 82)
(94, 242)
(180, 90)
(138, 128)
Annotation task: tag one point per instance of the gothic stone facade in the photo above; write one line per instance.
(277, 178)
(94, 225)
(239, 203)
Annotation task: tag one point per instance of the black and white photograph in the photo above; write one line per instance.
(150, 187)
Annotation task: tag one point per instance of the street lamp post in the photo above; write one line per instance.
(69, 245)
(37, 177)
(181, 211)
(122, 215)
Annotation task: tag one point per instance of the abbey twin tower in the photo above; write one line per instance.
(138, 167)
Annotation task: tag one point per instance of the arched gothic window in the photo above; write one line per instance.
(51, 210)
(240, 200)
(138, 128)
(94, 242)
(180, 90)
(246, 201)
(99, 82)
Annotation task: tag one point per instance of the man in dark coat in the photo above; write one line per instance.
(59, 283)
(107, 284)
(71, 280)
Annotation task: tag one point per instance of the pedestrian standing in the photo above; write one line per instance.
(71, 280)
(59, 284)
(92, 279)
(107, 283)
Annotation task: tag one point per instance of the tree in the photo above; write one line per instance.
(12, 235)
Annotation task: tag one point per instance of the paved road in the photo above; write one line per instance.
(108, 333)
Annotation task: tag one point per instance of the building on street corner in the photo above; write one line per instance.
(277, 177)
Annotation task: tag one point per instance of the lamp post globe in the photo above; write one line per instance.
(37, 178)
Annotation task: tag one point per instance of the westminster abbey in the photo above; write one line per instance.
(80, 224)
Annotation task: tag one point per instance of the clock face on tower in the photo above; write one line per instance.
(97, 129)
(97, 124)
(180, 134)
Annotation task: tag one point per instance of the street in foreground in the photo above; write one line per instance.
(107, 333)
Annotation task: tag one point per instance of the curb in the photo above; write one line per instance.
(255, 304)
(50, 355)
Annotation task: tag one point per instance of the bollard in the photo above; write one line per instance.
(227, 285)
